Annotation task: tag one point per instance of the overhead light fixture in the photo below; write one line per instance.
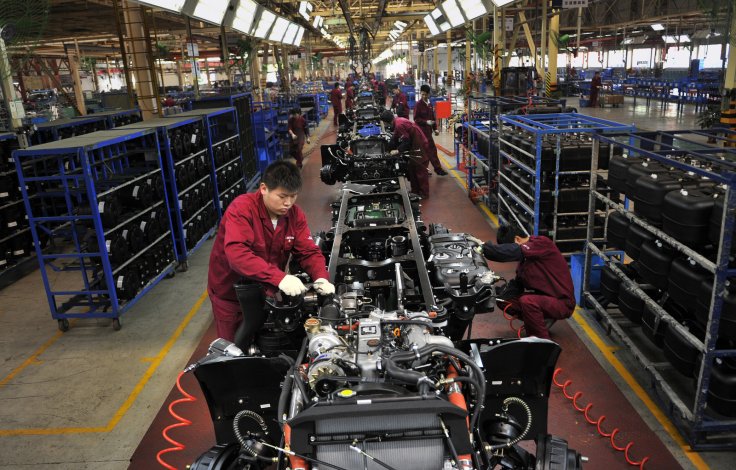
(454, 15)
(242, 18)
(502, 3)
(472, 9)
(298, 39)
(434, 30)
(170, 5)
(400, 25)
(264, 24)
(211, 11)
(634, 40)
(441, 20)
(658, 27)
(305, 8)
(279, 29)
(318, 22)
(676, 39)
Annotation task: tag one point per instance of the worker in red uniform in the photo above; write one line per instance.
(349, 96)
(399, 104)
(299, 132)
(336, 100)
(595, 85)
(408, 136)
(258, 233)
(424, 118)
(544, 291)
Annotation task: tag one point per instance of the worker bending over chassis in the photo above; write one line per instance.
(542, 291)
(258, 233)
(406, 136)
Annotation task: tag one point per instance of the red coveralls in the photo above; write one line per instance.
(545, 276)
(400, 105)
(247, 246)
(298, 125)
(336, 100)
(424, 112)
(408, 134)
(349, 97)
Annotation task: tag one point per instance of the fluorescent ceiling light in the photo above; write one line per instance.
(675, 39)
(400, 24)
(298, 38)
(305, 8)
(264, 24)
(501, 3)
(441, 20)
(433, 29)
(318, 21)
(170, 5)
(658, 27)
(453, 12)
(279, 29)
(211, 11)
(244, 16)
(290, 33)
(472, 8)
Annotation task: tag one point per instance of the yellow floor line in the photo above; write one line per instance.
(120, 413)
(31, 360)
(608, 353)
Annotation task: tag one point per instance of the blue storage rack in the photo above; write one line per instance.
(77, 181)
(243, 104)
(223, 139)
(265, 123)
(310, 105)
(67, 127)
(411, 95)
(324, 105)
(525, 144)
(189, 173)
(116, 118)
(688, 406)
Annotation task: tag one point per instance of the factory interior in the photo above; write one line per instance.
(367, 234)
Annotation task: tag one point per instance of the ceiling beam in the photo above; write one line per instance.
(379, 16)
(346, 13)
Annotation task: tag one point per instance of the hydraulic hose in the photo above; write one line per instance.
(243, 443)
(520, 437)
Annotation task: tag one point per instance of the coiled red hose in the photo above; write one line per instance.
(611, 436)
(181, 422)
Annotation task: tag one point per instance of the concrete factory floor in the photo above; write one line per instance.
(85, 398)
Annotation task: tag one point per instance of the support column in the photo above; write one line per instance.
(9, 95)
(449, 62)
(207, 71)
(499, 26)
(225, 54)
(554, 38)
(286, 69)
(74, 70)
(195, 79)
(728, 100)
(436, 63)
(543, 43)
(468, 64)
(180, 73)
(143, 70)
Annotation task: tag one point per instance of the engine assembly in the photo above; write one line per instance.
(378, 376)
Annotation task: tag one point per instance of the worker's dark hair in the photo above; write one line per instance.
(387, 116)
(507, 233)
(337, 85)
(425, 88)
(282, 174)
(296, 110)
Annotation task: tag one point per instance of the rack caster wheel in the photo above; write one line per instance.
(116, 324)
(184, 267)
(64, 325)
(172, 274)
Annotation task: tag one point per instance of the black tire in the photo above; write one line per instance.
(219, 457)
(553, 453)
(116, 324)
(64, 325)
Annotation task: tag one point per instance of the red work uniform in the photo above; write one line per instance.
(248, 246)
(400, 105)
(298, 125)
(407, 135)
(545, 277)
(595, 86)
(424, 112)
(349, 97)
(336, 100)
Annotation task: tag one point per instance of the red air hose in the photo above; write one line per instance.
(181, 422)
(574, 397)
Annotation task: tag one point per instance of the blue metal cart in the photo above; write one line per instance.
(67, 127)
(116, 118)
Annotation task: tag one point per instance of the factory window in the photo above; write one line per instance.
(677, 58)
(616, 58)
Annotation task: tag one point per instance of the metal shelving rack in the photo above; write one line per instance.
(528, 167)
(189, 173)
(17, 256)
(687, 408)
(265, 124)
(77, 181)
(116, 118)
(222, 134)
(67, 127)
(243, 104)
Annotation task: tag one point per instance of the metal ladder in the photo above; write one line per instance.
(136, 47)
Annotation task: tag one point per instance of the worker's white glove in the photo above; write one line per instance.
(393, 152)
(323, 286)
(471, 238)
(292, 286)
(309, 141)
(430, 123)
(293, 136)
(436, 132)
